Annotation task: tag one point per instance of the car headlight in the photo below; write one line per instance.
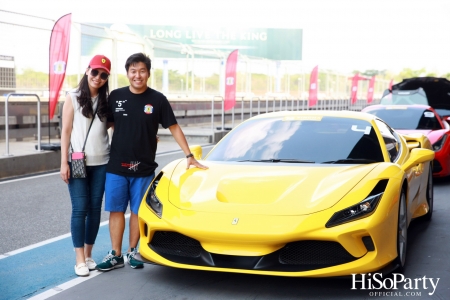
(440, 143)
(152, 200)
(360, 210)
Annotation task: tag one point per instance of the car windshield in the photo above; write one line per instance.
(412, 118)
(443, 112)
(300, 140)
(404, 98)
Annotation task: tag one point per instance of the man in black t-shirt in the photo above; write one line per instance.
(136, 112)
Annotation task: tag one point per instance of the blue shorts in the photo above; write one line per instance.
(119, 190)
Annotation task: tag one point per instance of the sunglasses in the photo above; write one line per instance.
(103, 75)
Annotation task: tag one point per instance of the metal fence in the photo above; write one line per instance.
(21, 118)
(178, 70)
(246, 108)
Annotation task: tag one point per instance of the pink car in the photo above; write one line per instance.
(407, 119)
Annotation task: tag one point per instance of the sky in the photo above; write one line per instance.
(341, 35)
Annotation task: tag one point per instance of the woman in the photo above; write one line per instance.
(86, 194)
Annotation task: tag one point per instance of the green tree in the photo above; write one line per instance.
(32, 79)
(447, 75)
(409, 73)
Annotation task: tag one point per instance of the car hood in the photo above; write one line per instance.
(437, 89)
(263, 188)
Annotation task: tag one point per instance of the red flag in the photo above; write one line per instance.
(230, 80)
(370, 91)
(312, 99)
(59, 51)
(354, 95)
(390, 84)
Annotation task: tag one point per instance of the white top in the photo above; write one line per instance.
(97, 144)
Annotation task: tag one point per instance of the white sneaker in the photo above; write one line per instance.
(90, 263)
(81, 270)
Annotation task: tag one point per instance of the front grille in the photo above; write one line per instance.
(323, 253)
(174, 243)
(293, 257)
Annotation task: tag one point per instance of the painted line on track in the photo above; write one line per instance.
(57, 172)
(49, 241)
(65, 286)
(58, 286)
(30, 247)
(78, 280)
(28, 177)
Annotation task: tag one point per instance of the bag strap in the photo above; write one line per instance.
(87, 134)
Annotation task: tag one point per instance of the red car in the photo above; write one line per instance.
(410, 119)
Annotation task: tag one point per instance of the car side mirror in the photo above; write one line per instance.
(197, 151)
(417, 156)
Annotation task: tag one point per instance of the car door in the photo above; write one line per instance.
(414, 175)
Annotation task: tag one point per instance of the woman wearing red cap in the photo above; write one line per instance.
(84, 129)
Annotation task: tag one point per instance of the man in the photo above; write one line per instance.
(136, 112)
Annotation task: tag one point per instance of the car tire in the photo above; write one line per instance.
(430, 197)
(402, 233)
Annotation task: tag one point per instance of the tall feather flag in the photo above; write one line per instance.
(230, 80)
(312, 98)
(371, 89)
(390, 84)
(59, 51)
(354, 94)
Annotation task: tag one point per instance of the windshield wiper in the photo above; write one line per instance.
(275, 160)
(351, 161)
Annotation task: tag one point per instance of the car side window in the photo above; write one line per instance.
(429, 121)
(390, 140)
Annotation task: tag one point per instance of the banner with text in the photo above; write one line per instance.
(270, 43)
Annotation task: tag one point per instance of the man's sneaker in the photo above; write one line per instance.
(111, 261)
(135, 264)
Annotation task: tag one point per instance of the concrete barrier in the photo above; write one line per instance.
(45, 161)
(30, 164)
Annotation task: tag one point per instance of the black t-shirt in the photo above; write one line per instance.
(136, 120)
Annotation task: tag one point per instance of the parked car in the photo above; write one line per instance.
(404, 97)
(307, 193)
(432, 91)
(412, 119)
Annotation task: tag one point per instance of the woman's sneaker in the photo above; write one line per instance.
(90, 263)
(135, 264)
(111, 261)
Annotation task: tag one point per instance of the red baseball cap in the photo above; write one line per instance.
(100, 62)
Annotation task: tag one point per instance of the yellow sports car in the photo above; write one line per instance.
(310, 193)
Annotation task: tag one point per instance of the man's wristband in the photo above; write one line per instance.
(189, 155)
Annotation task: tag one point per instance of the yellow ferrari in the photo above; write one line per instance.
(310, 193)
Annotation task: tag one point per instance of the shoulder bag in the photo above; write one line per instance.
(78, 165)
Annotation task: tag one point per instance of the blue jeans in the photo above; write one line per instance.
(86, 195)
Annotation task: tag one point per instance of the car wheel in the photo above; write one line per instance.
(430, 197)
(402, 233)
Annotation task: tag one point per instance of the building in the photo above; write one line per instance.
(7, 75)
